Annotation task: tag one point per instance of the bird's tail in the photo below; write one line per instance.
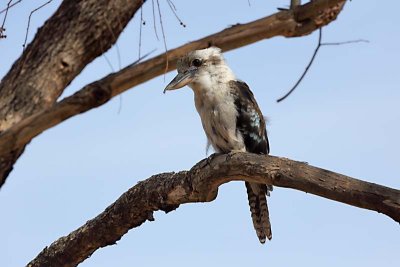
(257, 195)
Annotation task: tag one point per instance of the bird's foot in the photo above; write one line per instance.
(232, 153)
(212, 156)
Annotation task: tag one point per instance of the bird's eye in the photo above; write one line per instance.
(196, 62)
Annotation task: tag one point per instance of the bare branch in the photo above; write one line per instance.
(66, 43)
(5, 16)
(174, 11)
(29, 20)
(154, 19)
(116, 43)
(345, 42)
(166, 191)
(313, 57)
(108, 62)
(306, 69)
(163, 35)
(2, 29)
(283, 23)
(140, 30)
(10, 6)
(42, 74)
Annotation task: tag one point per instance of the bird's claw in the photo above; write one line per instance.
(231, 154)
(212, 156)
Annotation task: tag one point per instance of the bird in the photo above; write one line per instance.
(230, 116)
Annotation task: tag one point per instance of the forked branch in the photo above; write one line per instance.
(290, 23)
(166, 191)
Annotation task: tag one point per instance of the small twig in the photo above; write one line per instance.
(140, 59)
(134, 63)
(154, 20)
(346, 42)
(29, 21)
(140, 29)
(313, 57)
(119, 68)
(116, 44)
(112, 70)
(109, 63)
(306, 70)
(163, 34)
(2, 29)
(10, 6)
(173, 9)
(118, 56)
(172, 5)
(5, 16)
(141, 23)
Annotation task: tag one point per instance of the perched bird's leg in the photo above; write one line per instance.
(232, 153)
(212, 156)
(231, 119)
(207, 161)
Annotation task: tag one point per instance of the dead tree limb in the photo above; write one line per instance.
(319, 44)
(167, 191)
(290, 23)
(305, 70)
(77, 33)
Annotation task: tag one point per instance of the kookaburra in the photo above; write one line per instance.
(230, 116)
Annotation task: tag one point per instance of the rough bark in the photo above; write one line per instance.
(77, 33)
(167, 191)
(292, 23)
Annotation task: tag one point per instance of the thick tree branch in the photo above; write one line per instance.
(167, 191)
(78, 32)
(300, 21)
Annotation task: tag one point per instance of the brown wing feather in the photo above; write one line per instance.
(250, 121)
(251, 124)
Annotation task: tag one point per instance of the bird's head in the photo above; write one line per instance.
(200, 68)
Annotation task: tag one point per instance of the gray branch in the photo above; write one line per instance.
(166, 191)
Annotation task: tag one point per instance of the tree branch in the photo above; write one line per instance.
(298, 22)
(78, 32)
(167, 191)
(305, 70)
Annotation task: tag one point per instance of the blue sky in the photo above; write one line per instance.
(344, 117)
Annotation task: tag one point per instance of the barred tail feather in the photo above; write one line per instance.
(257, 195)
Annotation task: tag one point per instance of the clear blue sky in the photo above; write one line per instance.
(344, 117)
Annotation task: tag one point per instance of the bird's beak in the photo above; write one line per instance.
(181, 80)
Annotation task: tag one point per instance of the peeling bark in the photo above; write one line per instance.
(167, 191)
(292, 23)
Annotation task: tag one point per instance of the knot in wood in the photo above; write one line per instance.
(275, 176)
(100, 93)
